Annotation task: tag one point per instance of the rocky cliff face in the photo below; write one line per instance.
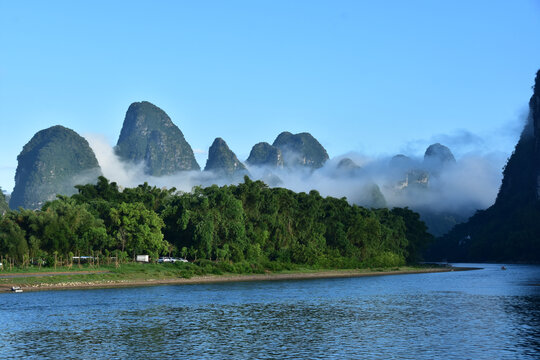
(534, 105)
(301, 150)
(510, 229)
(412, 178)
(52, 162)
(264, 154)
(416, 175)
(410, 173)
(521, 175)
(222, 161)
(148, 135)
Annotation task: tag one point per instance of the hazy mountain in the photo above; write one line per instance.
(440, 223)
(148, 135)
(410, 174)
(438, 156)
(372, 197)
(510, 229)
(52, 162)
(347, 164)
(271, 179)
(301, 149)
(264, 154)
(413, 179)
(222, 161)
(401, 161)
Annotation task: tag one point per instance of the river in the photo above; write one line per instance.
(480, 314)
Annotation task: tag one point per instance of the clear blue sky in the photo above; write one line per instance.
(375, 77)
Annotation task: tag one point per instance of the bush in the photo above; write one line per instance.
(187, 274)
(385, 259)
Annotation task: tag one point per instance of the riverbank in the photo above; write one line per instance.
(99, 279)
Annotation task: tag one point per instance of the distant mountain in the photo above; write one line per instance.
(410, 174)
(401, 161)
(372, 197)
(271, 179)
(440, 223)
(264, 154)
(347, 164)
(52, 162)
(509, 230)
(301, 149)
(346, 167)
(437, 156)
(222, 161)
(148, 135)
(412, 179)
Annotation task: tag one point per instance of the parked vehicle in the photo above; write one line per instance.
(166, 259)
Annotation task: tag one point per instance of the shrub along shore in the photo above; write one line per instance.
(225, 232)
(234, 225)
(181, 273)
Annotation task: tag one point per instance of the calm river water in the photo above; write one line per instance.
(481, 314)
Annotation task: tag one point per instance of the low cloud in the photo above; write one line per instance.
(461, 139)
(128, 174)
(471, 183)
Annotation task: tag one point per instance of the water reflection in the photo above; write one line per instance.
(477, 315)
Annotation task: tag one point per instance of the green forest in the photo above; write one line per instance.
(3, 202)
(248, 224)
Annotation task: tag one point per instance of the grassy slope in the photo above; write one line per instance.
(140, 274)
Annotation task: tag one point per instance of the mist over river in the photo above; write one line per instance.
(480, 314)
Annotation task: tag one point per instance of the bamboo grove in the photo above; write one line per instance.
(245, 223)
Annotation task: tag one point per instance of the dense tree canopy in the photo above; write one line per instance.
(249, 222)
(3, 203)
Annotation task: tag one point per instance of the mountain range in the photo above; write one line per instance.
(57, 158)
(149, 137)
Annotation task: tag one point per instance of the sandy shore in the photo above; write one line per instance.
(219, 278)
(48, 273)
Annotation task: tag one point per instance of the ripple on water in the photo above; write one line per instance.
(479, 315)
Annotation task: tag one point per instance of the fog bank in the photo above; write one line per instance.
(471, 183)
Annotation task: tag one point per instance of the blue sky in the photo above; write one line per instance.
(374, 77)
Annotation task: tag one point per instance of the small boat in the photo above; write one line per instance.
(503, 267)
(16, 289)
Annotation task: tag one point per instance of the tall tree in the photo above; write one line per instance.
(3, 203)
(12, 240)
(137, 229)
